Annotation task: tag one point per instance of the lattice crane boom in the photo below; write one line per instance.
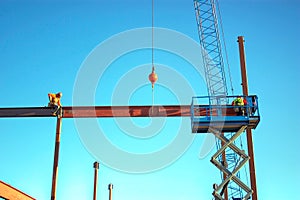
(209, 36)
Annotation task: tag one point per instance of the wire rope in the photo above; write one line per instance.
(152, 49)
(152, 28)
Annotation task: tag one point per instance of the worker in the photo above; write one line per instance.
(238, 104)
(54, 102)
(254, 105)
(245, 108)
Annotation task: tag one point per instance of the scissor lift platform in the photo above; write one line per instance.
(223, 124)
(223, 117)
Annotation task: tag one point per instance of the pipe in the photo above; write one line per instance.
(110, 188)
(96, 167)
(248, 131)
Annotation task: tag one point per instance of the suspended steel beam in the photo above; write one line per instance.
(114, 111)
(26, 112)
(127, 111)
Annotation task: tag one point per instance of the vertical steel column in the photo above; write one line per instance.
(56, 156)
(110, 188)
(96, 167)
(248, 131)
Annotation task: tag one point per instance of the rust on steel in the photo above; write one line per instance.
(248, 130)
(126, 111)
(26, 112)
(9, 192)
(56, 157)
(142, 111)
(117, 111)
(96, 168)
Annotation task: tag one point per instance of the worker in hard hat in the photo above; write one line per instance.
(54, 102)
(238, 104)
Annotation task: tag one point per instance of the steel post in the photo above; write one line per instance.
(248, 131)
(56, 156)
(110, 188)
(96, 167)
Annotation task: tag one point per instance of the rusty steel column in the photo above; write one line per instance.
(56, 156)
(110, 188)
(96, 167)
(248, 131)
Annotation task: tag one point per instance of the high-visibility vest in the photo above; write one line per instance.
(238, 101)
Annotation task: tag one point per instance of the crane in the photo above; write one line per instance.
(228, 160)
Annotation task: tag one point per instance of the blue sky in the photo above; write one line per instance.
(43, 46)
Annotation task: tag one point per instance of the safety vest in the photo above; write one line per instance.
(238, 101)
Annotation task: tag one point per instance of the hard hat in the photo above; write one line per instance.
(59, 94)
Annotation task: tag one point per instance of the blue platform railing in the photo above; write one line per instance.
(220, 111)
